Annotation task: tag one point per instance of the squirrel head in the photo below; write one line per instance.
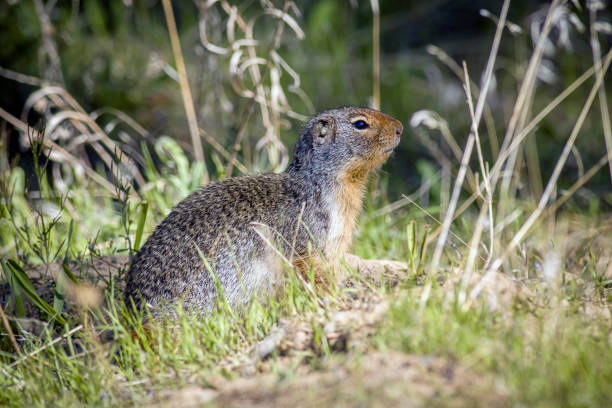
(346, 142)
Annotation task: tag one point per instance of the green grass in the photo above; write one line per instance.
(543, 348)
(540, 333)
(548, 356)
(82, 371)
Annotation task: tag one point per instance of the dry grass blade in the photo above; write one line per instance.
(408, 199)
(430, 238)
(375, 54)
(21, 78)
(579, 183)
(483, 168)
(258, 76)
(9, 331)
(471, 139)
(525, 96)
(297, 229)
(471, 259)
(504, 154)
(466, 154)
(551, 185)
(52, 342)
(16, 123)
(288, 262)
(603, 101)
(60, 152)
(122, 116)
(50, 59)
(488, 115)
(184, 83)
(466, 204)
(63, 116)
(231, 159)
(432, 120)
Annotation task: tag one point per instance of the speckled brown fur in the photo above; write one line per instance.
(234, 222)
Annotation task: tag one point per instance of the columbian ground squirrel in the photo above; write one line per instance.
(247, 227)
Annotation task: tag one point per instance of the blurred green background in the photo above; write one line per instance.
(117, 54)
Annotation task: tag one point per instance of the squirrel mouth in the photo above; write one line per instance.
(393, 146)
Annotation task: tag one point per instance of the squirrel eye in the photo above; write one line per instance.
(360, 124)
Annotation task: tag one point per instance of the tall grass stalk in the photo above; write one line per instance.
(524, 95)
(184, 83)
(593, 6)
(550, 186)
(375, 54)
(469, 145)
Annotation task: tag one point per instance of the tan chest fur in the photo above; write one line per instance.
(344, 208)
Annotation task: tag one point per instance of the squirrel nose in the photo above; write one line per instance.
(398, 130)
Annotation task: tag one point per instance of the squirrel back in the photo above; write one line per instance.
(239, 231)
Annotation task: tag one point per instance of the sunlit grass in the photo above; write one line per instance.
(545, 356)
(502, 276)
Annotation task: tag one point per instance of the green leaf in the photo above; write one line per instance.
(65, 261)
(95, 17)
(152, 173)
(17, 293)
(423, 250)
(144, 208)
(69, 274)
(59, 294)
(24, 283)
(411, 240)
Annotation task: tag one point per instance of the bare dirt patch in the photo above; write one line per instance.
(377, 379)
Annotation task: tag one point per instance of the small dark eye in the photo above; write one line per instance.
(360, 124)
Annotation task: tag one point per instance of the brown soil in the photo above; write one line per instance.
(375, 379)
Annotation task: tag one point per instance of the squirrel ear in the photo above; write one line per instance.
(324, 130)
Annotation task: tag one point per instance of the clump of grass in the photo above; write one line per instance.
(551, 356)
(164, 353)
